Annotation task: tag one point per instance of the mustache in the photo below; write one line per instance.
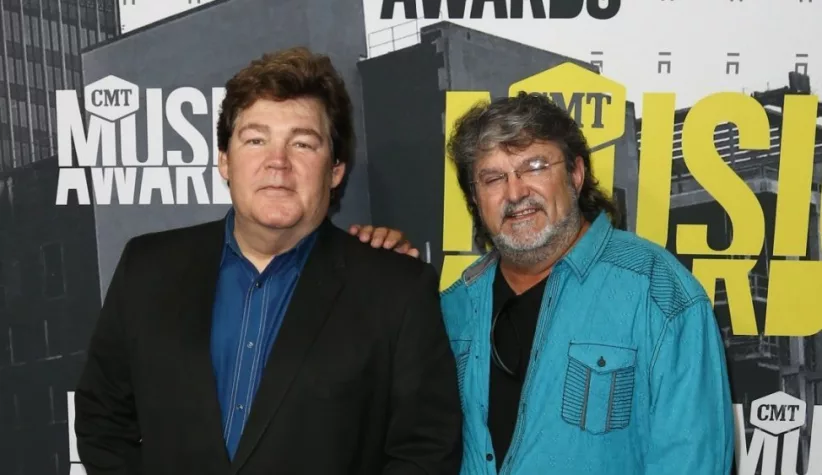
(511, 208)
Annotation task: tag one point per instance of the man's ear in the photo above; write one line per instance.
(578, 174)
(222, 164)
(337, 173)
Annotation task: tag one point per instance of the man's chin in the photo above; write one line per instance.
(278, 218)
(518, 244)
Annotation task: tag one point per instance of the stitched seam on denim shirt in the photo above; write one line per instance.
(682, 308)
(587, 393)
(610, 408)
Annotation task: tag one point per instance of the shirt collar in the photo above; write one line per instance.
(298, 255)
(230, 240)
(589, 247)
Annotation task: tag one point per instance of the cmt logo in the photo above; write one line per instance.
(575, 104)
(116, 163)
(776, 416)
(112, 98)
(504, 9)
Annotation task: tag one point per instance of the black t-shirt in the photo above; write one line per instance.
(514, 337)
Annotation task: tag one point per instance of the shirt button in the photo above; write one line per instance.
(240, 407)
(250, 344)
(258, 284)
(489, 457)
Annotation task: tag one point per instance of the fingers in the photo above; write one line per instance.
(392, 238)
(365, 233)
(383, 237)
(378, 237)
(405, 248)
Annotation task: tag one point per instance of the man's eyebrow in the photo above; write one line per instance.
(489, 170)
(254, 126)
(307, 131)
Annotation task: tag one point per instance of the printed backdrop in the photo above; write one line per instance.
(703, 117)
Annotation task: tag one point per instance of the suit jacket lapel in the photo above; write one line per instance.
(314, 296)
(198, 291)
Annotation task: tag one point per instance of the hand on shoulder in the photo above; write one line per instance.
(384, 237)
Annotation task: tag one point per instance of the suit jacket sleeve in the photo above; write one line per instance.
(108, 436)
(425, 425)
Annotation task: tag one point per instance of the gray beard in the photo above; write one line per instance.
(551, 240)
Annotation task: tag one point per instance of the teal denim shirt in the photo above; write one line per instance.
(627, 372)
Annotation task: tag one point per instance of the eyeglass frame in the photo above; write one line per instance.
(519, 171)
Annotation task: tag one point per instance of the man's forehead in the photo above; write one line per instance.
(501, 155)
(300, 112)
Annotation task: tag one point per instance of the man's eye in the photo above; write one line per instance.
(305, 145)
(533, 170)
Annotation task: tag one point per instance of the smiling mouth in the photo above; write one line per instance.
(522, 214)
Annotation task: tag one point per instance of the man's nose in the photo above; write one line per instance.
(516, 188)
(277, 157)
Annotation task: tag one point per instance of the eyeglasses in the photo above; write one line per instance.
(512, 367)
(531, 171)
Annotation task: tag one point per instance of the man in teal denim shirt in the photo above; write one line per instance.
(581, 349)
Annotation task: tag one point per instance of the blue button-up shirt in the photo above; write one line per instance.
(627, 374)
(248, 311)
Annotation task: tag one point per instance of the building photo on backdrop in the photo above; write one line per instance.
(704, 120)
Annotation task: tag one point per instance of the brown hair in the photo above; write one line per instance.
(289, 74)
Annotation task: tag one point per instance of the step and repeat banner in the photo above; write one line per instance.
(704, 118)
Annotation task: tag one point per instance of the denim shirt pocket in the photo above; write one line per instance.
(599, 387)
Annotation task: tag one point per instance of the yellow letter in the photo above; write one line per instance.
(794, 299)
(718, 178)
(795, 175)
(738, 288)
(457, 225)
(655, 158)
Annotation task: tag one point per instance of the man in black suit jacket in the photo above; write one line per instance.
(271, 342)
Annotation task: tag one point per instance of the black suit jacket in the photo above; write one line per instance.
(361, 378)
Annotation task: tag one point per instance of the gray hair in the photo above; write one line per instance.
(513, 124)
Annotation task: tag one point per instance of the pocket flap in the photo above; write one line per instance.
(603, 358)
